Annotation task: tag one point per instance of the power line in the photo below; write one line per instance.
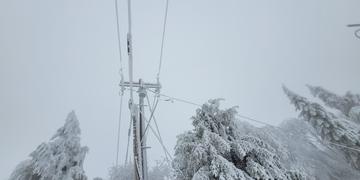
(177, 99)
(156, 134)
(118, 132)
(118, 38)
(152, 110)
(128, 142)
(159, 140)
(167, 155)
(122, 79)
(163, 38)
(253, 119)
(346, 147)
(262, 122)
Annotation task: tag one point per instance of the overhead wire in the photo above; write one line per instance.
(254, 120)
(155, 133)
(163, 39)
(168, 157)
(257, 121)
(325, 141)
(128, 143)
(152, 110)
(118, 38)
(122, 79)
(176, 99)
(118, 132)
(129, 48)
(346, 147)
(166, 151)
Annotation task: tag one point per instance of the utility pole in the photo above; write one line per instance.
(137, 111)
(139, 125)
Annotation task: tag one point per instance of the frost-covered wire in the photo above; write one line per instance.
(167, 155)
(152, 110)
(163, 38)
(176, 99)
(122, 79)
(128, 142)
(251, 119)
(118, 132)
(166, 151)
(346, 147)
(262, 122)
(254, 120)
(118, 38)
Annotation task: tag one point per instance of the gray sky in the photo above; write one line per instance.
(56, 56)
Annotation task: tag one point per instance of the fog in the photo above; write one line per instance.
(56, 56)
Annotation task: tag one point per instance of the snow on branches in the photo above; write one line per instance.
(340, 130)
(59, 159)
(342, 103)
(216, 150)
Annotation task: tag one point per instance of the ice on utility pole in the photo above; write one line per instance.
(344, 130)
(59, 159)
(216, 150)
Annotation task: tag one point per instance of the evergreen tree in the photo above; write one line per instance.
(331, 128)
(59, 159)
(342, 103)
(216, 150)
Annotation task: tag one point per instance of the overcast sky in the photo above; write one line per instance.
(56, 56)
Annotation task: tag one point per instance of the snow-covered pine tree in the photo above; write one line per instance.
(216, 150)
(331, 128)
(342, 103)
(59, 159)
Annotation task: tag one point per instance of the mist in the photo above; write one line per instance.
(58, 56)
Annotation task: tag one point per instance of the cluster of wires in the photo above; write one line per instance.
(173, 99)
(156, 97)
